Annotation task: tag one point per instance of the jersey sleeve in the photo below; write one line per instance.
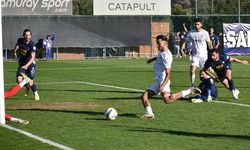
(167, 61)
(207, 37)
(33, 46)
(206, 65)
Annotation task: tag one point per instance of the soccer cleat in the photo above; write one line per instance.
(37, 98)
(25, 77)
(194, 100)
(27, 92)
(209, 99)
(148, 116)
(195, 90)
(236, 94)
(21, 121)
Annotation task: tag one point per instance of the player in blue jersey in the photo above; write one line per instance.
(208, 89)
(214, 38)
(221, 64)
(25, 49)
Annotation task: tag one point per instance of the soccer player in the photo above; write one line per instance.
(209, 91)
(214, 38)
(12, 91)
(27, 65)
(161, 85)
(199, 39)
(221, 64)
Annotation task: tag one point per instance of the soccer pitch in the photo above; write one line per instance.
(75, 94)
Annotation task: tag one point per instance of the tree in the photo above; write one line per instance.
(83, 7)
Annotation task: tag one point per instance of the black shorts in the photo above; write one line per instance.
(30, 72)
(222, 74)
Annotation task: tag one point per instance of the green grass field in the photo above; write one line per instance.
(71, 109)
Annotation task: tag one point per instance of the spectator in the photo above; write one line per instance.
(48, 44)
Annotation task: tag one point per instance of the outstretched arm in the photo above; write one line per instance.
(238, 60)
(151, 60)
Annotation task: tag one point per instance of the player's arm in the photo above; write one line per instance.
(33, 55)
(205, 69)
(211, 75)
(217, 43)
(238, 60)
(183, 46)
(209, 43)
(151, 60)
(167, 77)
(15, 50)
(184, 27)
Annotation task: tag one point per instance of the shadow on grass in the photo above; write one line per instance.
(185, 133)
(92, 91)
(93, 113)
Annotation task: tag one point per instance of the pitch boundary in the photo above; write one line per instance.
(43, 140)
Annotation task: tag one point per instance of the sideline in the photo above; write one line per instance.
(38, 138)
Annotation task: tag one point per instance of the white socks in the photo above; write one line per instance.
(149, 110)
(23, 83)
(185, 92)
(193, 78)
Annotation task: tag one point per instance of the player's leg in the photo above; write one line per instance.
(192, 74)
(151, 91)
(146, 103)
(235, 92)
(13, 90)
(195, 62)
(16, 120)
(31, 74)
(170, 98)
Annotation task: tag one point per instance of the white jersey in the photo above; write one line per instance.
(163, 61)
(199, 42)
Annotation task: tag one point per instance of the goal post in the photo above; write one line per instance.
(2, 104)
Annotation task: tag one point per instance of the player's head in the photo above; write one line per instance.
(211, 29)
(161, 41)
(203, 75)
(214, 54)
(198, 23)
(27, 35)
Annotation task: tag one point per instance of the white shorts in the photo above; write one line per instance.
(198, 61)
(155, 86)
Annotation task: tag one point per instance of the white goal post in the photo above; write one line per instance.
(2, 104)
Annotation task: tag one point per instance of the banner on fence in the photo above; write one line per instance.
(132, 7)
(36, 7)
(236, 38)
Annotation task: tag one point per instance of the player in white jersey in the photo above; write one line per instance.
(199, 39)
(161, 85)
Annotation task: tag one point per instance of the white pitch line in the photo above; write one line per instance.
(38, 138)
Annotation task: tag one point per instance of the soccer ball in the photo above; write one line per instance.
(111, 114)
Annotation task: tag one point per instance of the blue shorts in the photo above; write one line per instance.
(30, 72)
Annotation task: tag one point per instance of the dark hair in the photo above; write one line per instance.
(214, 50)
(162, 37)
(26, 30)
(198, 20)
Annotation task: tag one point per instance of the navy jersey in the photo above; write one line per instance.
(25, 51)
(214, 38)
(220, 65)
(207, 84)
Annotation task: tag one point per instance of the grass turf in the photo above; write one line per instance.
(70, 111)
